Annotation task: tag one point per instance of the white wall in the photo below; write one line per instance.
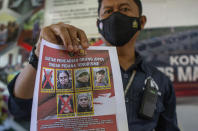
(187, 113)
(168, 13)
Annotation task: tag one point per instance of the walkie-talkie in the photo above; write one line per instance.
(149, 100)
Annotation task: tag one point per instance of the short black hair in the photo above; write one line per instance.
(101, 72)
(138, 3)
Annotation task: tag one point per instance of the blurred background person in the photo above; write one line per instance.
(3, 34)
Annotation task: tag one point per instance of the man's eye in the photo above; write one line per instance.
(124, 9)
(108, 11)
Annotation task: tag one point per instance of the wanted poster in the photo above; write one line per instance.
(80, 91)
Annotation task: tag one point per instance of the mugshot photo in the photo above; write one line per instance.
(64, 79)
(84, 102)
(101, 77)
(65, 105)
(82, 79)
(47, 78)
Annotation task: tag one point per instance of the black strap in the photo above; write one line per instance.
(33, 59)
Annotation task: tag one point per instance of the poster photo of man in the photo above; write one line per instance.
(84, 103)
(65, 106)
(82, 79)
(101, 78)
(64, 80)
(47, 79)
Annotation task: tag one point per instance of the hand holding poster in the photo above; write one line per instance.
(81, 91)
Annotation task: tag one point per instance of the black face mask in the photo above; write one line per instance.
(118, 29)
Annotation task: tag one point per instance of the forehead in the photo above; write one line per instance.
(101, 73)
(65, 97)
(62, 74)
(83, 97)
(117, 2)
(83, 74)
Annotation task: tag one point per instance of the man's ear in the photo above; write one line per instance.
(142, 21)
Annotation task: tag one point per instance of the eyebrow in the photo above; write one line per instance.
(123, 4)
(105, 7)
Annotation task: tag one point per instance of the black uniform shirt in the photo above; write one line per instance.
(164, 118)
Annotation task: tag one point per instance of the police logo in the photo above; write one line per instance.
(135, 24)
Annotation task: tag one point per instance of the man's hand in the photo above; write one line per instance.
(67, 35)
(63, 34)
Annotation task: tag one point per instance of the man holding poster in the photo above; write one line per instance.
(120, 22)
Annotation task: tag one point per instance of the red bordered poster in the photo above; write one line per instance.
(78, 92)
